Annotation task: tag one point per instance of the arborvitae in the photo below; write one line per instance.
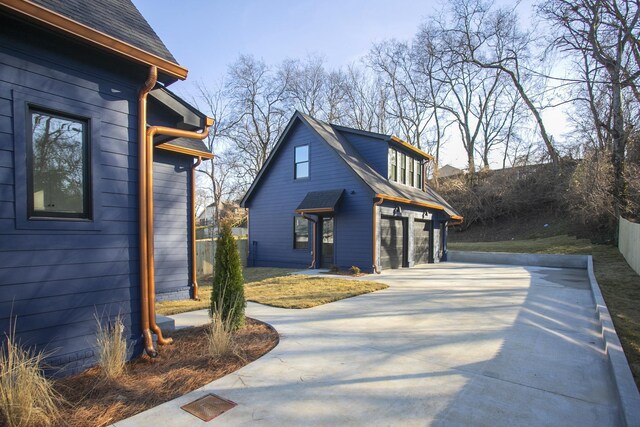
(228, 283)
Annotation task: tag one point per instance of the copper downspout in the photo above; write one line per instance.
(313, 246)
(151, 290)
(194, 274)
(142, 209)
(375, 235)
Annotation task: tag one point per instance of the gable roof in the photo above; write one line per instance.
(116, 26)
(376, 182)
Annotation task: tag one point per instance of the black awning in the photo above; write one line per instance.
(320, 201)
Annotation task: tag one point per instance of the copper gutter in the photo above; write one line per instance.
(142, 210)
(375, 234)
(410, 147)
(194, 274)
(65, 25)
(151, 289)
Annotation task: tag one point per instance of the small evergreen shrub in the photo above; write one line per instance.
(354, 270)
(227, 296)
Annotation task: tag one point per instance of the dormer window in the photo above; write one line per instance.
(418, 174)
(411, 175)
(403, 168)
(301, 160)
(393, 164)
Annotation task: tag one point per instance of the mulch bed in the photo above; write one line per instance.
(178, 369)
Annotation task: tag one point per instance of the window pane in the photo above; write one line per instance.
(301, 162)
(300, 233)
(418, 174)
(411, 165)
(302, 170)
(403, 168)
(394, 165)
(58, 164)
(302, 153)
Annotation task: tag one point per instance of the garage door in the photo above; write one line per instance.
(421, 241)
(392, 237)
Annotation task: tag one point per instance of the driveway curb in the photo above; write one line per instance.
(628, 394)
(625, 385)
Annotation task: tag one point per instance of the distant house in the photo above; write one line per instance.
(96, 175)
(330, 195)
(448, 171)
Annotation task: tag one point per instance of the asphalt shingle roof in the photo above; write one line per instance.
(378, 183)
(117, 18)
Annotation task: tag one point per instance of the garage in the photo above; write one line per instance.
(421, 232)
(392, 242)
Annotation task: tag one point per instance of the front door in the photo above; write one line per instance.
(326, 249)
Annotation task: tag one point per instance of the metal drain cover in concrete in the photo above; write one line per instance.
(208, 407)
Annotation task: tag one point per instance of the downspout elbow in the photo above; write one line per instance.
(151, 288)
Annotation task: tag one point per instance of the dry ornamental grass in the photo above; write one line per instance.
(179, 368)
(27, 398)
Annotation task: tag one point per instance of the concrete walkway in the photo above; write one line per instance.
(448, 344)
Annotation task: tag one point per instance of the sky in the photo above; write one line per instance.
(206, 36)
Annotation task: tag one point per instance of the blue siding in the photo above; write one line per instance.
(271, 208)
(373, 150)
(56, 276)
(171, 180)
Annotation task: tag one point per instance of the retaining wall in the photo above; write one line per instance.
(629, 243)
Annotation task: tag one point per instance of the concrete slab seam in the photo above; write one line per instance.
(625, 386)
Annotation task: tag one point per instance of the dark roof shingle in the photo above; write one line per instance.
(119, 19)
(373, 179)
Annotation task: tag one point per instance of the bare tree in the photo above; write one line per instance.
(365, 101)
(408, 106)
(220, 171)
(493, 40)
(307, 85)
(470, 90)
(257, 97)
(606, 32)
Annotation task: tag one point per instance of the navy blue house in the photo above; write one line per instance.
(335, 196)
(96, 175)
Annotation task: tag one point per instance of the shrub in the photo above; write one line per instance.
(227, 296)
(354, 270)
(27, 398)
(334, 269)
(112, 348)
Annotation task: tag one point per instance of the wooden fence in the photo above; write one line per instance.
(206, 252)
(629, 243)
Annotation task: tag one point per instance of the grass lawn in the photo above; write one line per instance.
(251, 274)
(306, 291)
(273, 286)
(620, 285)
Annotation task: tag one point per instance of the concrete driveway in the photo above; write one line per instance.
(447, 344)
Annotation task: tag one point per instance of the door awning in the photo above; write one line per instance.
(320, 201)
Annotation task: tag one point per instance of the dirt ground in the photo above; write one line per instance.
(179, 369)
